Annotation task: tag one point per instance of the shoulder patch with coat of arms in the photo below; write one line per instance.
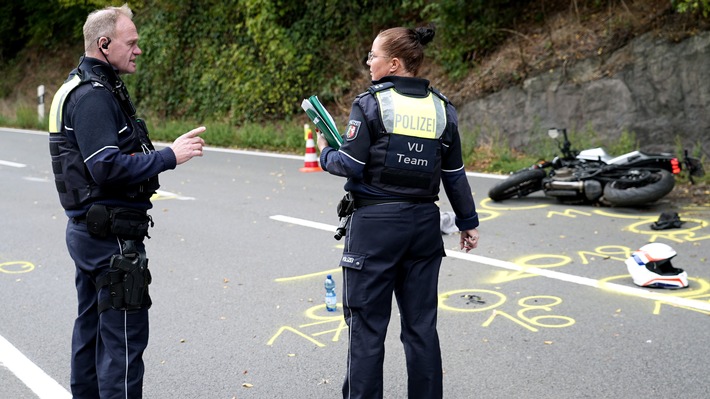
(352, 130)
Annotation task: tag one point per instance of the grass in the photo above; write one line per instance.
(285, 137)
(25, 118)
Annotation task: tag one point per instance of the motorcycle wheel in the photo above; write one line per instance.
(518, 184)
(658, 184)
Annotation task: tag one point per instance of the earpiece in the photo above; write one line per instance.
(106, 43)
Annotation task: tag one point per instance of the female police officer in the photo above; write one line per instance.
(401, 141)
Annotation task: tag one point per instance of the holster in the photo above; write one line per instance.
(127, 280)
(346, 207)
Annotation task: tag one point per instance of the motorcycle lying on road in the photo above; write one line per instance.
(594, 176)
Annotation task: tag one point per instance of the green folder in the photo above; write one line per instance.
(323, 121)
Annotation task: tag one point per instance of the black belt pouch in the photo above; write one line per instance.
(98, 220)
(129, 224)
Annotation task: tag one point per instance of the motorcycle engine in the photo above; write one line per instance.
(564, 174)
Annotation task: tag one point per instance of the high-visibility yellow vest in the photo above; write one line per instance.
(56, 110)
(410, 116)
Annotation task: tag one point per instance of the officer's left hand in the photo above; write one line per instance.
(469, 239)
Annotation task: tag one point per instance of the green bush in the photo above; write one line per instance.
(255, 60)
(701, 7)
(469, 30)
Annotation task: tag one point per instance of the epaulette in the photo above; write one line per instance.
(441, 96)
(379, 87)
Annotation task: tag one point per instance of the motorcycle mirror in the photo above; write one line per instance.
(553, 133)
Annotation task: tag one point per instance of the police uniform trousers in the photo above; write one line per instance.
(392, 248)
(107, 348)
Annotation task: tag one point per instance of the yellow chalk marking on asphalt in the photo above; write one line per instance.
(611, 287)
(570, 213)
(676, 235)
(306, 276)
(293, 330)
(539, 271)
(16, 267)
(486, 204)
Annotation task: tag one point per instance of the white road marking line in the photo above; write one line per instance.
(304, 222)
(163, 195)
(12, 164)
(32, 376)
(590, 282)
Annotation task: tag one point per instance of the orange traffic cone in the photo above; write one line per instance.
(310, 162)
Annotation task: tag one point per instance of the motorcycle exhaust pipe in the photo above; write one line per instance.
(592, 189)
(565, 185)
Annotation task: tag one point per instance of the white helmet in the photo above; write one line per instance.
(651, 266)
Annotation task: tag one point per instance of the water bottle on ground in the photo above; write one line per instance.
(330, 299)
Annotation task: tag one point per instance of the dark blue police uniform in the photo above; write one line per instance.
(105, 171)
(402, 141)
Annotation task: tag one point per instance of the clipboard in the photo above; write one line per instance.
(323, 121)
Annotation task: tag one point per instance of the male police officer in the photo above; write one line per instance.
(106, 169)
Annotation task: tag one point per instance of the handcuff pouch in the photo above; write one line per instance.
(98, 220)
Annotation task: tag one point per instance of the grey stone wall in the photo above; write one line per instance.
(656, 89)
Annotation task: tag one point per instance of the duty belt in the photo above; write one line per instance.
(361, 202)
(126, 223)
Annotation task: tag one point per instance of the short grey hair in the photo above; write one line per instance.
(102, 23)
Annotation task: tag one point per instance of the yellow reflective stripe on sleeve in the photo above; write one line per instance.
(55, 111)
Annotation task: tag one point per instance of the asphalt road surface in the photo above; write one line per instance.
(544, 308)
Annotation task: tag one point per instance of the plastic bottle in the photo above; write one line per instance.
(330, 299)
